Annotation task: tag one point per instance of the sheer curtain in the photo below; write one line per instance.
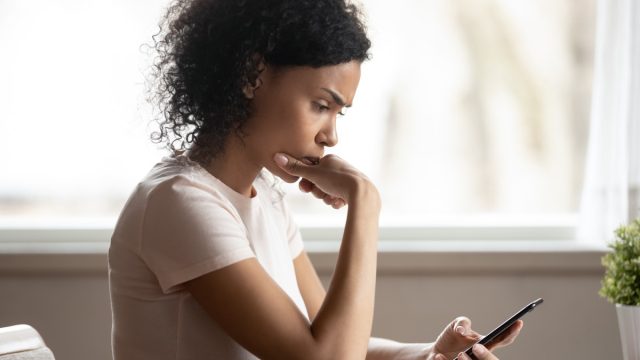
(611, 191)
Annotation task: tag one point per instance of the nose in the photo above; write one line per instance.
(328, 136)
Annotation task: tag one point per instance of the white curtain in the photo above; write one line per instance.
(611, 190)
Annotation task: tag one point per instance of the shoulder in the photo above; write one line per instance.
(178, 179)
(178, 193)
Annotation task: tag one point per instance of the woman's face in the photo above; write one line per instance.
(295, 111)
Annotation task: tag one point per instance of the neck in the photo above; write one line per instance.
(234, 167)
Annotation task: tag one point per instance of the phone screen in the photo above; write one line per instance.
(504, 326)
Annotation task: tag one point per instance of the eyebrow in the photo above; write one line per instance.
(336, 97)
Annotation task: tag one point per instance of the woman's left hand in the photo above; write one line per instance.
(458, 336)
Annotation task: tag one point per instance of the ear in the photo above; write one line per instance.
(250, 88)
(249, 91)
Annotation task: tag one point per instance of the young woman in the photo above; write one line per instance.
(205, 261)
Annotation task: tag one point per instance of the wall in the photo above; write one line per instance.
(65, 296)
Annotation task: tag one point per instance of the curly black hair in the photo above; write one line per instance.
(208, 51)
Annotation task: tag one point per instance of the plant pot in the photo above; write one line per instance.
(629, 323)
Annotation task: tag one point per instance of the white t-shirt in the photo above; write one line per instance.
(181, 223)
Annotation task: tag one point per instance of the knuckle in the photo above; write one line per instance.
(331, 157)
(293, 164)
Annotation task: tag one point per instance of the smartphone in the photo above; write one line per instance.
(504, 326)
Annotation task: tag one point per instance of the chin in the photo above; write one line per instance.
(288, 178)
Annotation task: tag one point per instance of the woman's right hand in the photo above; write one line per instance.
(331, 179)
(458, 336)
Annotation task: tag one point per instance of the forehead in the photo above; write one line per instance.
(341, 78)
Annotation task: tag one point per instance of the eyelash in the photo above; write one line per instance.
(323, 108)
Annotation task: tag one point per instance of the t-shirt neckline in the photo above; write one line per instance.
(236, 196)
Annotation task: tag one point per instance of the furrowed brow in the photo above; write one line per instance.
(336, 97)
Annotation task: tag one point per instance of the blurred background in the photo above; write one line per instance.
(473, 117)
(468, 108)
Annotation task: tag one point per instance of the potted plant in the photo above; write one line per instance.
(621, 285)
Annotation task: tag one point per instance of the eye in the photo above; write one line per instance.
(320, 107)
(343, 111)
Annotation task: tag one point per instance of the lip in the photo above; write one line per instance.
(311, 160)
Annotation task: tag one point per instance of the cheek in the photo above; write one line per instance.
(285, 124)
(300, 124)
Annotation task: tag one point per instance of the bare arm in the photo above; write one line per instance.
(255, 312)
(450, 340)
(314, 293)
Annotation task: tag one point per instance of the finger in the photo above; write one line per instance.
(291, 165)
(306, 185)
(507, 337)
(463, 356)
(461, 325)
(318, 193)
(440, 357)
(482, 353)
(338, 203)
(328, 199)
(511, 334)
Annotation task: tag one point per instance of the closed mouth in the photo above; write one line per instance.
(309, 160)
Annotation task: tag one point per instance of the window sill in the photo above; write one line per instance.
(454, 247)
(395, 257)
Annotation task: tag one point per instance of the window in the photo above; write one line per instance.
(468, 109)
(474, 109)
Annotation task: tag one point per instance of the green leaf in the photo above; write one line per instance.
(621, 283)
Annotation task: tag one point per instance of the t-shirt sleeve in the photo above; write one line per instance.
(188, 231)
(293, 232)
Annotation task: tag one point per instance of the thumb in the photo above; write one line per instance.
(290, 164)
(461, 325)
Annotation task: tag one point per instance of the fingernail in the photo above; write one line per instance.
(479, 349)
(460, 330)
(281, 159)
